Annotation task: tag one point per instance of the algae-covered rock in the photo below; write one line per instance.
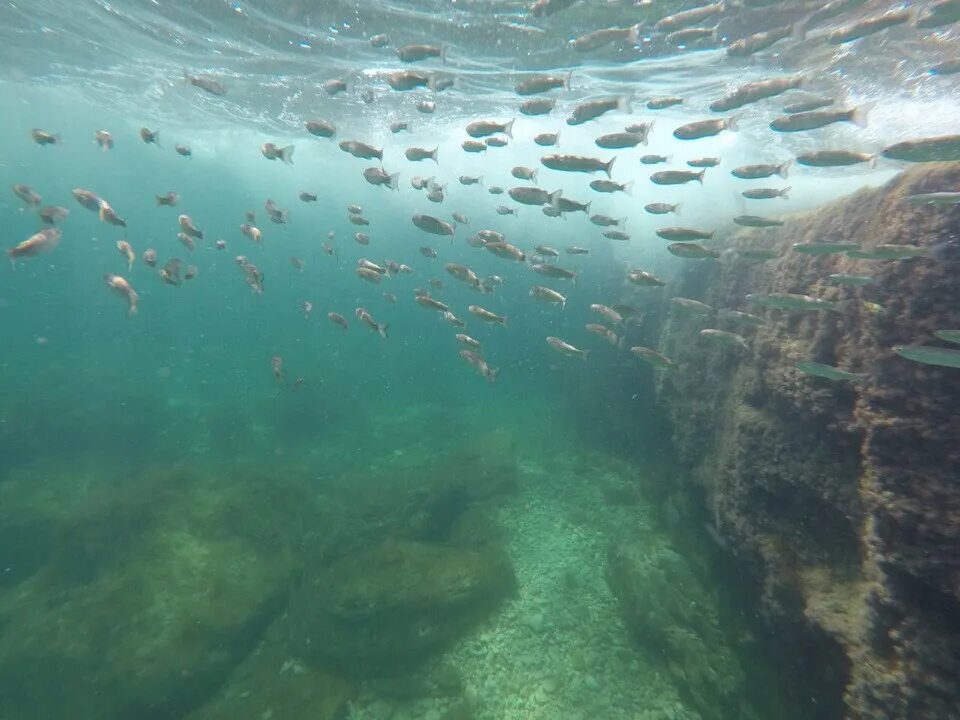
(155, 589)
(671, 615)
(377, 611)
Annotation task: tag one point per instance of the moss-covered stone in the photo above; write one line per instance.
(382, 610)
(670, 614)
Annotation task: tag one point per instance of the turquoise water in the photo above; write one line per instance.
(380, 532)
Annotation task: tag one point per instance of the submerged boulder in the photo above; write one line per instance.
(378, 611)
(671, 615)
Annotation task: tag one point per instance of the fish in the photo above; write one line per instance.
(757, 222)
(616, 235)
(757, 91)
(367, 319)
(453, 319)
(109, 215)
(577, 163)
(432, 225)
(415, 154)
(834, 158)
(187, 226)
(41, 242)
(150, 257)
(42, 137)
(690, 36)
(683, 234)
(746, 46)
(462, 273)
(690, 305)
(741, 318)
(608, 313)
(104, 139)
(758, 172)
(425, 300)
(759, 254)
(534, 196)
(688, 18)
(358, 220)
(824, 248)
(542, 83)
(361, 150)
(644, 279)
(576, 250)
(543, 8)
(554, 271)
(474, 359)
(870, 25)
(495, 190)
(361, 238)
(416, 53)
(251, 231)
(606, 333)
(27, 194)
(610, 186)
(565, 348)
(205, 82)
(766, 193)
(935, 198)
(190, 273)
(52, 214)
(662, 103)
(654, 159)
(321, 128)
(952, 336)
(186, 240)
(791, 301)
(929, 355)
(468, 341)
(271, 151)
(334, 86)
(425, 106)
(537, 106)
(379, 40)
(851, 280)
(691, 251)
(606, 221)
(379, 176)
(487, 315)
(616, 141)
(598, 38)
(403, 80)
(399, 126)
(221, 244)
(829, 372)
(170, 272)
(552, 296)
(168, 200)
(483, 128)
(931, 149)
(339, 320)
(705, 128)
(565, 205)
(660, 208)
(504, 210)
(473, 146)
(125, 249)
(551, 211)
(592, 109)
(183, 150)
(470, 180)
(495, 142)
(658, 360)
(524, 173)
(87, 199)
(891, 251)
(724, 337)
(676, 177)
(371, 276)
(815, 119)
(546, 251)
(547, 139)
(461, 219)
(704, 162)
(122, 287)
(428, 252)
(150, 137)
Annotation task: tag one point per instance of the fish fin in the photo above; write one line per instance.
(798, 30)
(620, 342)
(623, 103)
(676, 208)
(575, 277)
(627, 188)
(159, 200)
(508, 129)
(481, 180)
(633, 37)
(382, 330)
(586, 209)
(556, 143)
(732, 123)
(621, 222)
(186, 77)
(873, 160)
(443, 54)
(503, 321)
(584, 353)
(784, 169)
(700, 176)
(394, 181)
(859, 114)
(533, 176)
(11, 253)
(567, 79)
(433, 155)
(554, 197)
(286, 154)
(785, 193)
(609, 166)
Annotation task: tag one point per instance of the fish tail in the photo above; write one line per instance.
(286, 154)
(533, 176)
(785, 193)
(700, 176)
(492, 374)
(382, 330)
(732, 123)
(676, 208)
(586, 209)
(623, 103)
(858, 116)
(12, 254)
(443, 54)
(508, 129)
(584, 353)
(784, 169)
(556, 143)
(567, 79)
(433, 155)
(621, 341)
(481, 181)
(159, 200)
(555, 197)
(621, 222)
(503, 321)
(609, 167)
(627, 188)
(393, 182)
(186, 76)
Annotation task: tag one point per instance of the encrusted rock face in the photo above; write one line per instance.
(842, 498)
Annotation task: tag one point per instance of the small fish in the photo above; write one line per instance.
(566, 205)
(704, 128)
(28, 195)
(380, 40)
(379, 176)
(598, 38)
(834, 158)
(470, 180)
(688, 18)
(505, 250)
(606, 221)
(690, 305)
(616, 141)
(188, 227)
(399, 126)
(473, 146)
(704, 162)
(273, 152)
(87, 199)
(321, 128)
(190, 273)
(537, 106)
(428, 252)
(546, 251)
(724, 337)
(307, 196)
(676, 177)
(691, 251)
(766, 193)
(608, 313)
(616, 235)
(654, 358)
(543, 8)
(682, 234)
(150, 257)
(592, 109)
(565, 348)
(741, 318)
(544, 293)
(757, 91)
(433, 225)
(744, 47)
(542, 83)
(403, 80)
(251, 231)
(122, 287)
(606, 333)
(891, 251)
(757, 221)
(427, 107)
(759, 254)
(361, 150)
(524, 173)
(183, 150)
(758, 172)
(150, 137)
(453, 319)
(205, 82)
(168, 200)
(547, 139)
(483, 128)
(660, 208)
(187, 241)
(929, 355)
(577, 163)
(52, 214)
(610, 186)
(534, 196)
(487, 315)
(644, 279)
(870, 25)
(828, 372)
(462, 273)
(653, 159)
(424, 300)
(495, 190)
(791, 301)
(104, 139)
(932, 149)
(221, 244)
(41, 242)
(109, 215)
(416, 53)
(170, 273)
(338, 319)
(371, 276)
(334, 86)
(576, 250)
(935, 198)
(662, 103)
(824, 248)
(276, 364)
(125, 249)
(461, 219)
(480, 364)
(814, 119)
(850, 280)
(504, 210)
(42, 137)
(468, 341)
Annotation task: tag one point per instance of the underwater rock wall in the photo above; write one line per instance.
(841, 498)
